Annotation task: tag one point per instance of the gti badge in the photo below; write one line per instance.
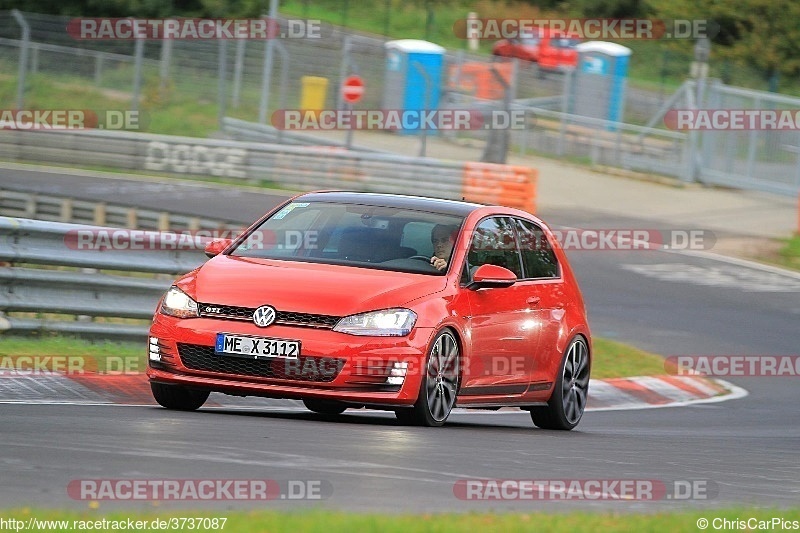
(264, 316)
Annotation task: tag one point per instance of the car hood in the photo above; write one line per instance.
(304, 287)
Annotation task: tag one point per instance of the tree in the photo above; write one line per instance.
(612, 8)
(141, 8)
(762, 33)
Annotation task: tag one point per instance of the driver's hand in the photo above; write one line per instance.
(438, 263)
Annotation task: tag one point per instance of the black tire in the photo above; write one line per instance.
(439, 385)
(406, 416)
(178, 397)
(566, 405)
(324, 407)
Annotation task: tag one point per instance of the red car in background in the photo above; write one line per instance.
(352, 300)
(548, 49)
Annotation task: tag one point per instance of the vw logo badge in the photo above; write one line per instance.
(264, 316)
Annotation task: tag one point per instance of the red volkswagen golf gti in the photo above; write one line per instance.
(352, 300)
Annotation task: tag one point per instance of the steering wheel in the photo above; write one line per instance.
(421, 258)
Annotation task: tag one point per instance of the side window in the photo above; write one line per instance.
(493, 243)
(538, 258)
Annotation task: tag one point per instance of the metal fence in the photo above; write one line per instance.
(151, 72)
(49, 285)
(234, 75)
(767, 160)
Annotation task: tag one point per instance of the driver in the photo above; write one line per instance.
(443, 237)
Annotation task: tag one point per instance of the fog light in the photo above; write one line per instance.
(154, 351)
(397, 374)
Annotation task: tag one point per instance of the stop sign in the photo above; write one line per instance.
(352, 89)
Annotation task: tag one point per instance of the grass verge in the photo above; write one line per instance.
(611, 358)
(74, 354)
(614, 359)
(333, 521)
(789, 255)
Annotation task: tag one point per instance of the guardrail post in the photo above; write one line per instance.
(30, 206)
(132, 218)
(163, 221)
(99, 218)
(66, 210)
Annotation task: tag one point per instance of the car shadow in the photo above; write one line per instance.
(364, 417)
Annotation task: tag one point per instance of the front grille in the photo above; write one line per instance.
(304, 368)
(284, 318)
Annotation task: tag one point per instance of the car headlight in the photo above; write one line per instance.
(386, 323)
(177, 303)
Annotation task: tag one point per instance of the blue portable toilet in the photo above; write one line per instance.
(598, 89)
(405, 85)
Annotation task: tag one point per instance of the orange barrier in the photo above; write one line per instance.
(508, 185)
(478, 80)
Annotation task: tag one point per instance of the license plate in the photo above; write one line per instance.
(255, 347)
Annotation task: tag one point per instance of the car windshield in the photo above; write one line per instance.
(370, 236)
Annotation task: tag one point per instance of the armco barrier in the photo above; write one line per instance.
(293, 167)
(64, 209)
(69, 301)
(241, 130)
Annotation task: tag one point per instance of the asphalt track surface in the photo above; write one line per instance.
(745, 451)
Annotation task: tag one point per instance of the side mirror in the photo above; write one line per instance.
(215, 246)
(488, 276)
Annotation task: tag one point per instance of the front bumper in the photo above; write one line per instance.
(332, 365)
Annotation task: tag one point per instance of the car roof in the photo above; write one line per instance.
(436, 205)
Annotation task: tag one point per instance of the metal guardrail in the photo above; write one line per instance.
(69, 210)
(70, 300)
(242, 130)
(609, 143)
(550, 130)
(295, 167)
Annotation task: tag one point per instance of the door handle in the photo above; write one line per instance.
(533, 300)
